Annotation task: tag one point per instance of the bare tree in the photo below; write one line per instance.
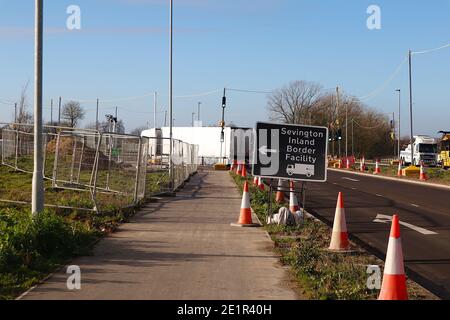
(105, 126)
(72, 112)
(294, 102)
(23, 116)
(138, 131)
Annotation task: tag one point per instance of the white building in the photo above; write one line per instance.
(237, 142)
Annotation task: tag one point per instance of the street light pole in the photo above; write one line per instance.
(155, 102)
(37, 197)
(411, 106)
(171, 93)
(346, 130)
(399, 120)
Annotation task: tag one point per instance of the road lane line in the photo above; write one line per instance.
(379, 195)
(350, 179)
(415, 205)
(381, 218)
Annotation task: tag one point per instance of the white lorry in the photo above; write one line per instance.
(425, 149)
(300, 169)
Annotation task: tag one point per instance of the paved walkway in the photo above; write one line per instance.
(181, 248)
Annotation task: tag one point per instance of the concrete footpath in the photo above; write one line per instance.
(180, 249)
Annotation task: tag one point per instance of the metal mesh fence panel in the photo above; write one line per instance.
(97, 171)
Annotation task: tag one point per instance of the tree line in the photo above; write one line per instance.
(370, 133)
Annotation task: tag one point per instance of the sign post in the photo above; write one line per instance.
(291, 152)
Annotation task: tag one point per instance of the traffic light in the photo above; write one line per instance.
(392, 135)
(339, 134)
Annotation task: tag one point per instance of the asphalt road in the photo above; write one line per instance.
(181, 248)
(427, 255)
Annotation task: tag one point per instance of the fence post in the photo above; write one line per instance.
(44, 163)
(55, 164)
(74, 152)
(138, 170)
(95, 167)
(17, 149)
(81, 159)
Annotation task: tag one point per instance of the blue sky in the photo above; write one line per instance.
(122, 49)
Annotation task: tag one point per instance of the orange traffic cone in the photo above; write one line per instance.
(377, 167)
(256, 181)
(348, 164)
(394, 278)
(233, 166)
(293, 201)
(244, 171)
(362, 166)
(423, 174)
(400, 171)
(261, 184)
(340, 163)
(245, 218)
(280, 198)
(339, 238)
(239, 170)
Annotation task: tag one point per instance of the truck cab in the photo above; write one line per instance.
(444, 156)
(425, 149)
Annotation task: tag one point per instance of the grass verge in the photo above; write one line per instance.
(320, 275)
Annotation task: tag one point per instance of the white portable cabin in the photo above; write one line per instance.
(238, 142)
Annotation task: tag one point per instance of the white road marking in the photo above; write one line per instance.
(415, 205)
(381, 218)
(379, 195)
(354, 189)
(350, 179)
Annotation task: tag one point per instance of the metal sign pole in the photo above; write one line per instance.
(37, 197)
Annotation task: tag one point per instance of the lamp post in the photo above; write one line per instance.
(155, 104)
(399, 120)
(411, 106)
(37, 197)
(171, 120)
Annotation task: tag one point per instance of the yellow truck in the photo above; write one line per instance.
(444, 157)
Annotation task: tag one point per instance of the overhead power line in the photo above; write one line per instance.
(249, 91)
(380, 89)
(432, 50)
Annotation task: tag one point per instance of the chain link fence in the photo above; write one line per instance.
(86, 169)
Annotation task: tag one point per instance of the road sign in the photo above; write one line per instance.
(291, 152)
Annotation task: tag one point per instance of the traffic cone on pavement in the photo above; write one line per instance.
(423, 174)
(293, 201)
(244, 171)
(233, 166)
(339, 238)
(400, 171)
(280, 198)
(245, 217)
(261, 184)
(256, 181)
(348, 164)
(394, 278)
(239, 169)
(362, 167)
(377, 167)
(340, 163)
